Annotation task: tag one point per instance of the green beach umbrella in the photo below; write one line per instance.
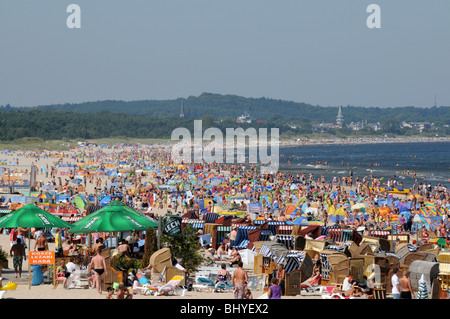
(32, 216)
(115, 217)
(79, 202)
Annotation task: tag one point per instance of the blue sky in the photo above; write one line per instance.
(315, 51)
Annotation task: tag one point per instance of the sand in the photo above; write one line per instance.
(47, 291)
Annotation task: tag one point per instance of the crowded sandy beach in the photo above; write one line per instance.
(280, 235)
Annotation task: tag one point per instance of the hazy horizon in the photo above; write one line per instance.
(306, 51)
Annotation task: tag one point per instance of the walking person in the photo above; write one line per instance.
(405, 285)
(17, 251)
(274, 289)
(239, 281)
(98, 264)
(395, 285)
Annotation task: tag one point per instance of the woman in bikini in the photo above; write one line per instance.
(223, 276)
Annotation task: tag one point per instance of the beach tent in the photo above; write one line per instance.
(289, 210)
(105, 200)
(402, 207)
(301, 221)
(336, 215)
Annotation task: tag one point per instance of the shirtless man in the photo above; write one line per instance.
(405, 284)
(98, 264)
(17, 251)
(22, 233)
(98, 244)
(221, 250)
(233, 235)
(240, 277)
(123, 248)
(41, 243)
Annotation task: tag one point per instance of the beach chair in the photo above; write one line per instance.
(148, 289)
(337, 295)
(264, 296)
(223, 286)
(312, 286)
(171, 288)
(203, 284)
(332, 294)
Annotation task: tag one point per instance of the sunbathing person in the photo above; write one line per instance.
(235, 257)
(353, 291)
(61, 274)
(317, 270)
(221, 250)
(70, 247)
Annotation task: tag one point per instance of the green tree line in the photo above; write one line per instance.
(60, 125)
(231, 106)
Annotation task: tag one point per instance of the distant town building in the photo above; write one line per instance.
(244, 118)
(182, 109)
(340, 118)
(322, 127)
(356, 126)
(374, 126)
(419, 126)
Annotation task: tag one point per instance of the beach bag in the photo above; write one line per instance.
(143, 280)
(38, 276)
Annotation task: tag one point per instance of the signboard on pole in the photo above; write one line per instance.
(171, 225)
(41, 258)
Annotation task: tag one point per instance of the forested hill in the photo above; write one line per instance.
(232, 106)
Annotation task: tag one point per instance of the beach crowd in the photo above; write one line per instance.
(145, 178)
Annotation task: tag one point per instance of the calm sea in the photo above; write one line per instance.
(430, 161)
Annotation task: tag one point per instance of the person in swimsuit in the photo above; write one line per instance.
(240, 277)
(223, 274)
(41, 243)
(405, 285)
(17, 251)
(61, 274)
(98, 264)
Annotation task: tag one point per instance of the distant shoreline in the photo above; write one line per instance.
(57, 145)
(359, 141)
